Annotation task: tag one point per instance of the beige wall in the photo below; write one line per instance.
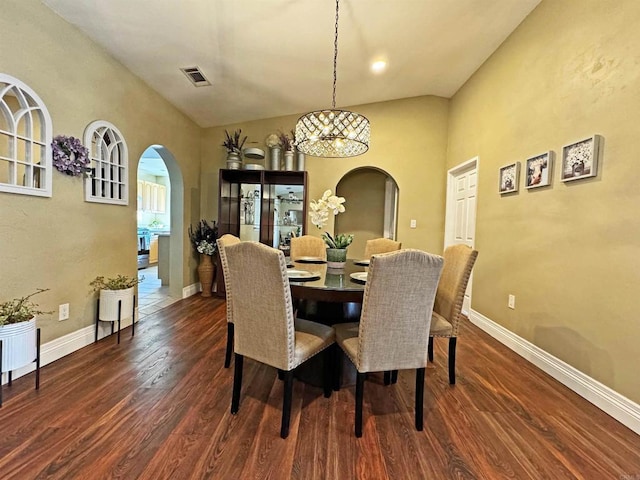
(569, 252)
(409, 140)
(63, 242)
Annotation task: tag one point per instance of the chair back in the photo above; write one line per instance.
(308, 246)
(458, 263)
(396, 310)
(262, 307)
(222, 242)
(380, 245)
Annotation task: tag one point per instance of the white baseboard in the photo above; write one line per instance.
(619, 407)
(192, 289)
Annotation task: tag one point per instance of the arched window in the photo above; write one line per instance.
(25, 140)
(109, 179)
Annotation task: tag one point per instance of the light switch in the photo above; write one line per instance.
(413, 223)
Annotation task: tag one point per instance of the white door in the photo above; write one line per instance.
(460, 223)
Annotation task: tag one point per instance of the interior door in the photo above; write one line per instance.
(460, 224)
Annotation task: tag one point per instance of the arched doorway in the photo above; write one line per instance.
(160, 216)
(371, 206)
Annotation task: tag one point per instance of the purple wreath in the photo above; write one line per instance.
(70, 156)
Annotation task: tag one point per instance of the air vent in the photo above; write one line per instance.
(196, 76)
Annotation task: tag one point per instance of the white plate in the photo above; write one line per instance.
(359, 276)
(310, 260)
(364, 263)
(301, 275)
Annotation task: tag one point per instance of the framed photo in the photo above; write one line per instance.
(538, 170)
(509, 178)
(580, 159)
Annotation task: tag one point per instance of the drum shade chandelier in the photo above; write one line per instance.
(333, 133)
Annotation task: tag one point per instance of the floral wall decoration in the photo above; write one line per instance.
(70, 156)
(580, 159)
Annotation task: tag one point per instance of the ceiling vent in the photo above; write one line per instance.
(196, 76)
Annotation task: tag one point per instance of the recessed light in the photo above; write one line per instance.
(378, 66)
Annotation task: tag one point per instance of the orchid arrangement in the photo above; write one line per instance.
(320, 211)
(70, 156)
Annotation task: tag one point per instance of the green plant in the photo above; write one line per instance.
(119, 282)
(20, 309)
(339, 241)
(233, 143)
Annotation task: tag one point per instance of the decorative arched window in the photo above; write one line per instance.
(109, 178)
(25, 140)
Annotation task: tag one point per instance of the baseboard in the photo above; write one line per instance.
(190, 290)
(619, 407)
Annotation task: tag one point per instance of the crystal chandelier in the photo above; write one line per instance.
(333, 133)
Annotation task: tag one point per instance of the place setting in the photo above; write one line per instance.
(362, 263)
(359, 277)
(301, 275)
(310, 260)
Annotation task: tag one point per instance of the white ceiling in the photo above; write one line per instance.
(268, 58)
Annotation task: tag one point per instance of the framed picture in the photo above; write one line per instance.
(538, 170)
(509, 178)
(580, 159)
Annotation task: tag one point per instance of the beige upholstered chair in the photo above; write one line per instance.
(225, 241)
(380, 245)
(264, 325)
(447, 309)
(307, 246)
(393, 332)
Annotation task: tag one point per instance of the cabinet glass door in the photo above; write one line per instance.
(250, 207)
(288, 214)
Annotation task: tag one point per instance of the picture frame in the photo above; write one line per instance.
(538, 170)
(508, 181)
(580, 159)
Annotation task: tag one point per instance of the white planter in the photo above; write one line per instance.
(18, 344)
(109, 304)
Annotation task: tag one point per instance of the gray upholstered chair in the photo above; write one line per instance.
(307, 246)
(380, 245)
(447, 309)
(393, 332)
(224, 241)
(264, 324)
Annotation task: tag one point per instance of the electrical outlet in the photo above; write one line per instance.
(512, 301)
(63, 312)
(413, 224)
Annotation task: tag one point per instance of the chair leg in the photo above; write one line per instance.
(387, 377)
(328, 370)
(286, 403)
(419, 398)
(452, 360)
(359, 396)
(237, 383)
(394, 376)
(337, 365)
(280, 374)
(430, 350)
(227, 355)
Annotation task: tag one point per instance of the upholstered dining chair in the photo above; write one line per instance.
(380, 245)
(265, 329)
(447, 309)
(224, 241)
(393, 332)
(307, 246)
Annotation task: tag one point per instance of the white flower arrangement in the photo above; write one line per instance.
(206, 247)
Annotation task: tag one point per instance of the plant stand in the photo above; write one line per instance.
(10, 372)
(133, 319)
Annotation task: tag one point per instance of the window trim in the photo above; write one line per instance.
(47, 161)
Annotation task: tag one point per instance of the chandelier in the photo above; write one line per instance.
(333, 133)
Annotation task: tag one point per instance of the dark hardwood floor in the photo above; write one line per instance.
(157, 407)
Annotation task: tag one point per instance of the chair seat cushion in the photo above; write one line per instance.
(311, 338)
(440, 327)
(347, 338)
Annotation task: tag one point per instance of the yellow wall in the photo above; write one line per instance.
(569, 252)
(63, 242)
(409, 139)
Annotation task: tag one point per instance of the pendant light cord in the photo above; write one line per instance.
(335, 58)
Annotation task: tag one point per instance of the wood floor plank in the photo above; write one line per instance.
(156, 406)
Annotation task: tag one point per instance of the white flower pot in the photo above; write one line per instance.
(18, 344)
(109, 304)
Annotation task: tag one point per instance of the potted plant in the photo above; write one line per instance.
(234, 143)
(203, 238)
(114, 289)
(337, 244)
(18, 331)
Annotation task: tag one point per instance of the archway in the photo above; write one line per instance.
(371, 206)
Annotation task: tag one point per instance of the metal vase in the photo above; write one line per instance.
(274, 158)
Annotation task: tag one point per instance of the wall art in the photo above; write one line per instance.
(509, 178)
(538, 170)
(580, 159)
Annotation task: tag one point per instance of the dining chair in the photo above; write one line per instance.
(380, 245)
(447, 309)
(307, 246)
(393, 332)
(225, 241)
(264, 324)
